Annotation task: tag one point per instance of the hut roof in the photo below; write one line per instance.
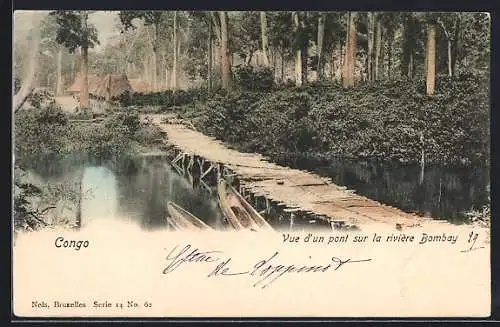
(93, 80)
(112, 85)
(140, 86)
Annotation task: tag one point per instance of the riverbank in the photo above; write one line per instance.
(50, 134)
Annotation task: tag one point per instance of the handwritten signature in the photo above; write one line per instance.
(266, 271)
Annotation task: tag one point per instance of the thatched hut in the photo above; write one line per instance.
(140, 86)
(111, 87)
(93, 81)
(103, 89)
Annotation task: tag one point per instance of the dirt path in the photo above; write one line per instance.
(295, 188)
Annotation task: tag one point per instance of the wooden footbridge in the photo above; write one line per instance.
(298, 190)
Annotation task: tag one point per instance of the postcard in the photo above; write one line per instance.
(210, 164)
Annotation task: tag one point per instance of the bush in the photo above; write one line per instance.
(254, 79)
(48, 133)
(391, 121)
(165, 99)
(129, 121)
(41, 98)
(40, 133)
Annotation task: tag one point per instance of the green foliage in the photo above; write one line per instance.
(47, 132)
(74, 31)
(165, 99)
(254, 78)
(150, 17)
(41, 98)
(245, 33)
(128, 120)
(39, 133)
(383, 122)
(34, 202)
(196, 67)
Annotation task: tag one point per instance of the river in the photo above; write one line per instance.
(442, 193)
(138, 189)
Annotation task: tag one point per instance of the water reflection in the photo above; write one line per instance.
(443, 193)
(134, 189)
(100, 184)
(147, 184)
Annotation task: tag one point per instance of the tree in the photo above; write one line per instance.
(371, 42)
(265, 46)
(48, 44)
(450, 25)
(350, 53)
(431, 58)
(199, 47)
(321, 36)
(298, 51)
(378, 46)
(246, 34)
(226, 62)
(473, 50)
(412, 47)
(175, 42)
(155, 19)
(74, 31)
(281, 37)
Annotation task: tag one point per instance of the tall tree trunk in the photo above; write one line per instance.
(371, 27)
(353, 48)
(167, 86)
(410, 66)
(29, 78)
(226, 65)
(84, 87)
(340, 68)
(350, 54)
(431, 58)
(450, 68)
(178, 72)
(210, 59)
(426, 57)
(304, 58)
(153, 71)
(304, 51)
(59, 80)
(298, 53)
(174, 65)
(145, 70)
(456, 45)
(73, 69)
(321, 35)
(390, 43)
(332, 66)
(265, 46)
(273, 63)
(378, 48)
(282, 58)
